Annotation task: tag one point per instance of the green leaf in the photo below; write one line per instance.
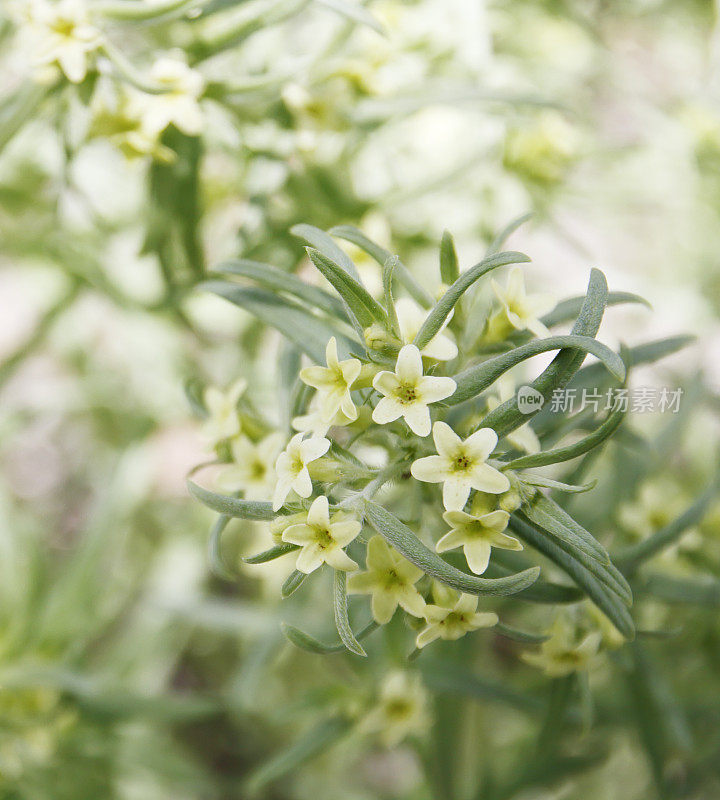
(701, 591)
(327, 246)
(507, 417)
(475, 380)
(519, 636)
(569, 309)
(405, 542)
(549, 483)
(302, 749)
(445, 305)
(633, 557)
(277, 280)
(560, 454)
(271, 554)
(647, 353)
(365, 308)
(608, 602)
(342, 622)
(381, 255)
(499, 241)
(387, 279)
(308, 332)
(449, 268)
(232, 506)
(215, 559)
(307, 642)
(292, 583)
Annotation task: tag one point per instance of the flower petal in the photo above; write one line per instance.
(431, 469)
(387, 410)
(480, 444)
(485, 478)
(313, 448)
(302, 483)
(409, 367)
(301, 534)
(379, 556)
(412, 601)
(455, 494)
(361, 583)
(339, 559)
(434, 389)
(446, 440)
(319, 512)
(309, 558)
(427, 635)
(386, 382)
(417, 416)
(383, 605)
(344, 532)
(477, 555)
(440, 348)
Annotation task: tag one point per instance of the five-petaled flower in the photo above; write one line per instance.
(64, 35)
(407, 392)
(564, 652)
(477, 535)
(390, 579)
(401, 710)
(334, 383)
(411, 318)
(323, 537)
(453, 618)
(291, 467)
(252, 469)
(519, 310)
(223, 421)
(460, 465)
(177, 103)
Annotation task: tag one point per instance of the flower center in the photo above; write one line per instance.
(323, 538)
(398, 708)
(64, 27)
(392, 579)
(406, 393)
(461, 463)
(258, 470)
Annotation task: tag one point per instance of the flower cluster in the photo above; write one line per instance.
(458, 503)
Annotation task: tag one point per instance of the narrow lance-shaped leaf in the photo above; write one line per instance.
(307, 642)
(609, 603)
(499, 241)
(295, 322)
(365, 308)
(570, 308)
(278, 280)
(292, 583)
(405, 542)
(519, 636)
(271, 554)
(634, 556)
(579, 448)
(381, 255)
(476, 379)
(215, 559)
(326, 245)
(441, 311)
(303, 748)
(387, 279)
(507, 417)
(449, 268)
(549, 483)
(342, 622)
(232, 506)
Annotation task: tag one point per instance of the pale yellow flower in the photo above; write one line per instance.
(477, 535)
(315, 421)
(518, 309)
(64, 35)
(291, 467)
(223, 421)
(322, 538)
(334, 383)
(456, 616)
(564, 652)
(460, 465)
(252, 470)
(407, 392)
(411, 318)
(401, 710)
(390, 579)
(178, 104)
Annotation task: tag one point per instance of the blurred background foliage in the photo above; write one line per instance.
(128, 669)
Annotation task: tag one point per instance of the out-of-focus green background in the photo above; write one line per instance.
(128, 669)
